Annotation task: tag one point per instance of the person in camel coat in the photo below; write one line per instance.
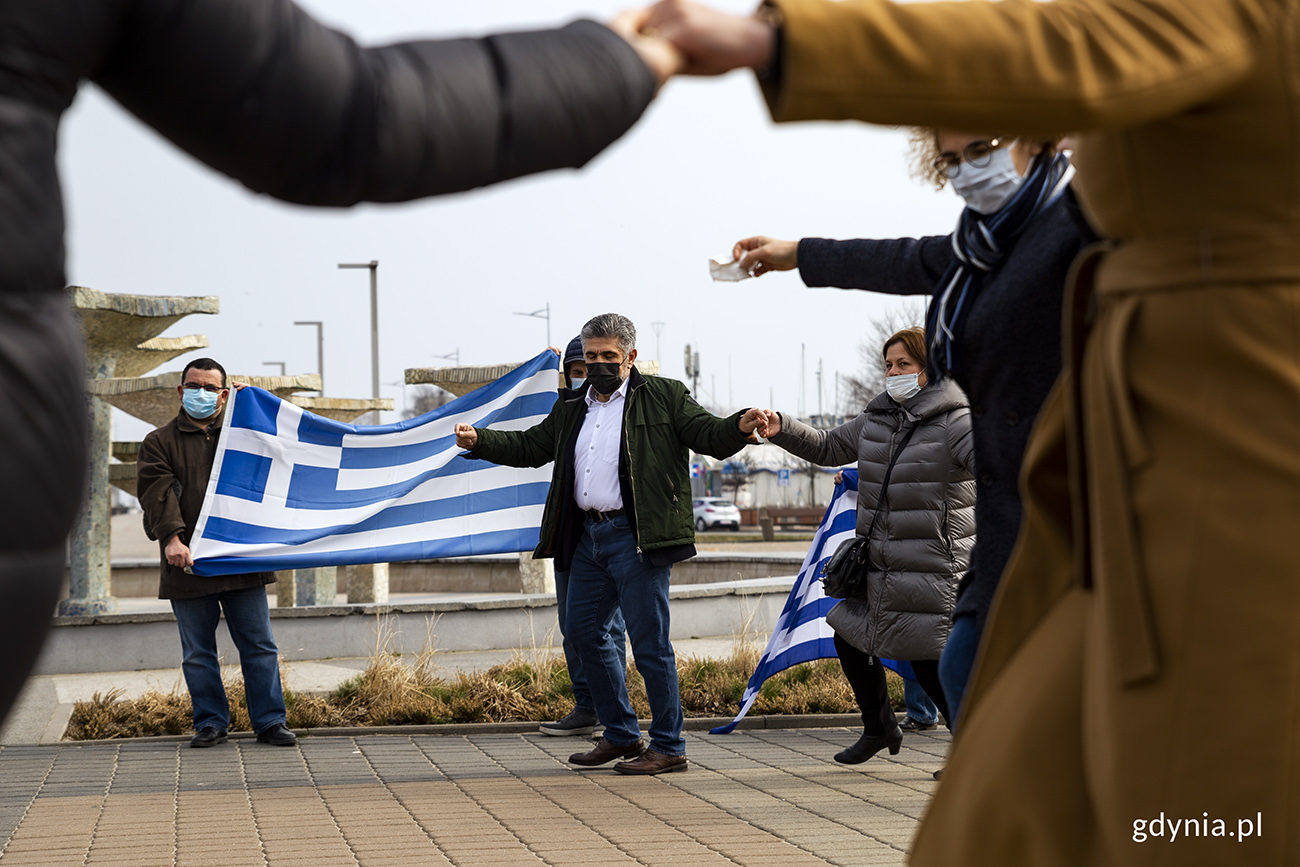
(1155, 575)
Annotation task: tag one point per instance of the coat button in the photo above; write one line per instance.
(1013, 418)
(986, 479)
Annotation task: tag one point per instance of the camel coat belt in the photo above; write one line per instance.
(1113, 280)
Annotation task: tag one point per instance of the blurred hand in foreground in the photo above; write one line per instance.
(761, 254)
(710, 42)
(664, 60)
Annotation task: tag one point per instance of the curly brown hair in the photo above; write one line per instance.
(923, 150)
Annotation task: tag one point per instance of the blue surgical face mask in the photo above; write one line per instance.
(577, 382)
(987, 188)
(199, 403)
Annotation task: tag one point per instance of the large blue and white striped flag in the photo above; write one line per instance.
(291, 490)
(801, 633)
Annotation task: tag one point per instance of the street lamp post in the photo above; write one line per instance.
(320, 350)
(373, 265)
(541, 313)
(273, 364)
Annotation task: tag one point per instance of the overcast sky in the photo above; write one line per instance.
(630, 233)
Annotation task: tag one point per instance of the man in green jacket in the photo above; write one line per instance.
(618, 516)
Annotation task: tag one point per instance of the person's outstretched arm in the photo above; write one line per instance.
(1018, 65)
(898, 266)
(826, 448)
(260, 90)
(534, 447)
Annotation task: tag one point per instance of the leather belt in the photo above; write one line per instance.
(597, 515)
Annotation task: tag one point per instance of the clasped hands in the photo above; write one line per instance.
(766, 422)
(680, 37)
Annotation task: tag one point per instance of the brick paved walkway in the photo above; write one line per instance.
(762, 797)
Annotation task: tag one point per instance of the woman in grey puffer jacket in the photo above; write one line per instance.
(922, 528)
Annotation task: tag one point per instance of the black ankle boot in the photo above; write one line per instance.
(868, 745)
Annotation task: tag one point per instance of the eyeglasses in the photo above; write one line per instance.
(977, 154)
(210, 389)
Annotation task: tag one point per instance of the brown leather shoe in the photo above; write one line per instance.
(652, 762)
(604, 752)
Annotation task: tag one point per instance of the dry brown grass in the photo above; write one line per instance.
(532, 686)
(108, 715)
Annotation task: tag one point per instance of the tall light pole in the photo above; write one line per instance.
(658, 327)
(541, 313)
(320, 351)
(274, 363)
(373, 265)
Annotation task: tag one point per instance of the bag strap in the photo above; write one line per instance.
(884, 486)
(880, 501)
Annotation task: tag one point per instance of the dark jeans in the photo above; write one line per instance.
(577, 675)
(867, 678)
(608, 573)
(249, 621)
(957, 661)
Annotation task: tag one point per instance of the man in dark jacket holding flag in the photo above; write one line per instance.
(618, 516)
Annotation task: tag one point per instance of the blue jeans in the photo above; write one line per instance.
(956, 663)
(919, 706)
(608, 573)
(577, 676)
(249, 621)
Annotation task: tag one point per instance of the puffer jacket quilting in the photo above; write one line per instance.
(925, 530)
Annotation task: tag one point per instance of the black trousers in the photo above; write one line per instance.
(43, 437)
(867, 678)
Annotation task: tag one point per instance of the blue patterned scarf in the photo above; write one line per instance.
(980, 242)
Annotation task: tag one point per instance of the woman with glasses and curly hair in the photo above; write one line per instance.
(994, 323)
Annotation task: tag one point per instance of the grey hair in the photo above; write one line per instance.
(611, 325)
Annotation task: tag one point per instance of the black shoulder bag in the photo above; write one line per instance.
(845, 574)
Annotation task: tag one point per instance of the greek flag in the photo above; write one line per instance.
(291, 490)
(801, 633)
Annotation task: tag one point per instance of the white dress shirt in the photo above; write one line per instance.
(595, 455)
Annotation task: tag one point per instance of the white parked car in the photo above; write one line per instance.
(713, 512)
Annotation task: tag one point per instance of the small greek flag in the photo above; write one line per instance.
(801, 633)
(291, 490)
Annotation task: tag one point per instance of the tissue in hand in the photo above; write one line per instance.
(721, 268)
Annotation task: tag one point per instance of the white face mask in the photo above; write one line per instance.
(987, 189)
(902, 387)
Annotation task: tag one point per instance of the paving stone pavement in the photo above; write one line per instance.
(760, 797)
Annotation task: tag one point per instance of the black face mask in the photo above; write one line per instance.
(603, 376)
